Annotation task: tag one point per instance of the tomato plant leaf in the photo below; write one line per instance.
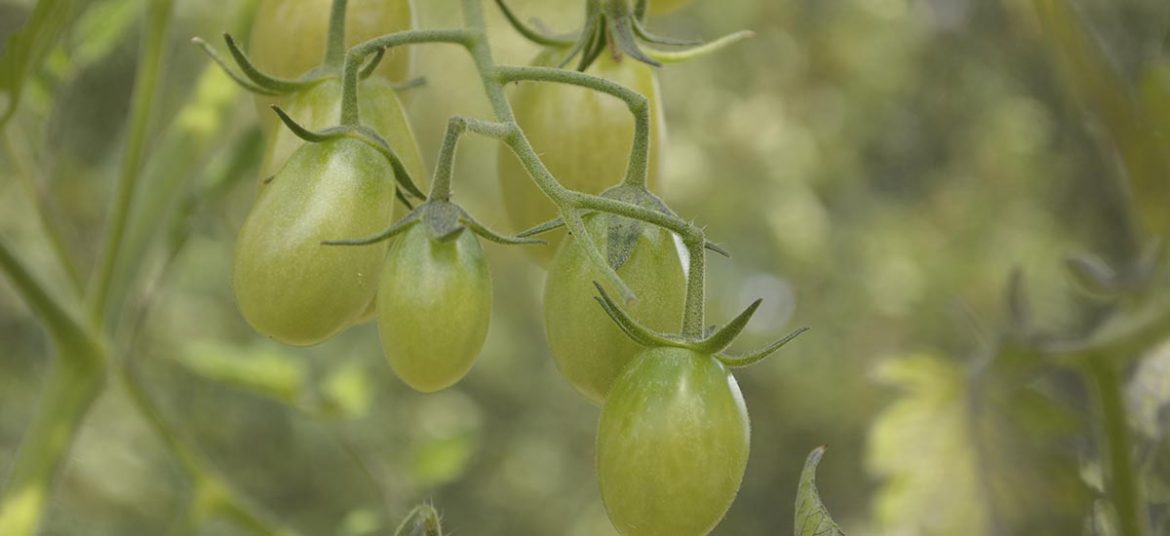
(812, 518)
(965, 453)
(423, 520)
(25, 50)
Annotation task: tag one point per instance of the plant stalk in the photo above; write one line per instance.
(1122, 481)
(335, 46)
(146, 85)
(74, 381)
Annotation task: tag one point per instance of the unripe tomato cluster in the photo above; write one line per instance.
(323, 249)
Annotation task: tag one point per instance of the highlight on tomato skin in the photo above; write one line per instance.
(672, 444)
(291, 287)
(590, 350)
(582, 136)
(434, 307)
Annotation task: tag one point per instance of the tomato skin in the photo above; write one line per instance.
(588, 348)
(319, 108)
(663, 7)
(273, 49)
(672, 445)
(290, 286)
(434, 307)
(582, 136)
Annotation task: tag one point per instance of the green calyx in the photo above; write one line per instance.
(622, 233)
(252, 78)
(444, 219)
(365, 135)
(621, 26)
(715, 343)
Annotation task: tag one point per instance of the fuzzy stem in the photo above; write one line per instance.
(693, 312)
(638, 168)
(145, 88)
(350, 115)
(569, 201)
(335, 46)
(1122, 483)
(441, 184)
(445, 167)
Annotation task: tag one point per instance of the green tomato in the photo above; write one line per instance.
(319, 107)
(672, 445)
(583, 137)
(290, 286)
(434, 305)
(288, 38)
(663, 7)
(588, 348)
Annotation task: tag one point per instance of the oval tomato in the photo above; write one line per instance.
(319, 107)
(588, 348)
(290, 286)
(672, 445)
(663, 7)
(434, 306)
(288, 38)
(583, 137)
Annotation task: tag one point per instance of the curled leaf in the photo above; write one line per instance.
(812, 518)
(532, 34)
(423, 520)
(261, 78)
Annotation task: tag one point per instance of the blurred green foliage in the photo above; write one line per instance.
(876, 167)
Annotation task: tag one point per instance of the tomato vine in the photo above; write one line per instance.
(84, 353)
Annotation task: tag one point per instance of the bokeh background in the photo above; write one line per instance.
(878, 169)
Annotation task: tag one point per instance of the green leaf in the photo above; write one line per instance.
(423, 520)
(27, 48)
(965, 453)
(812, 518)
(263, 370)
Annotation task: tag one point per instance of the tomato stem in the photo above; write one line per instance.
(335, 46)
(637, 170)
(1122, 483)
(352, 67)
(456, 127)
(693, 310)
